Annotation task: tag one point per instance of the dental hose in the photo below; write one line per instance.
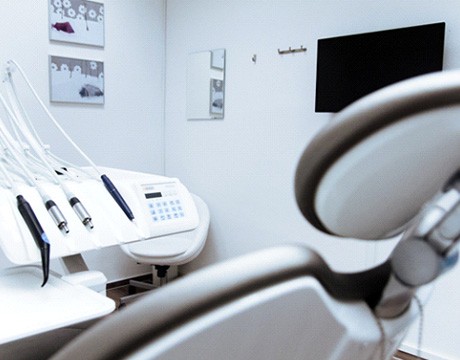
(105, 179)
(52, 208)
(50, 205)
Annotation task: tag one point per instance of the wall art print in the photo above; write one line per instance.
(76, 80)
(216, 102)
(77, 21)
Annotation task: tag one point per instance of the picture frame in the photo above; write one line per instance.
(216, 103)
(77, 21)
(76, 80)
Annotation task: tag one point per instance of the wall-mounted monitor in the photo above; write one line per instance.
(349, 67)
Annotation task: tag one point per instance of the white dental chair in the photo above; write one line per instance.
(382, 167)
(171, 250)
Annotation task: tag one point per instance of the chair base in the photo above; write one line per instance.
(161, 275)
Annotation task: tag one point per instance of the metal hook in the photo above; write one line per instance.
(291, 50)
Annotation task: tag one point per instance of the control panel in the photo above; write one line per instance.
(163, 201)
(168, 205)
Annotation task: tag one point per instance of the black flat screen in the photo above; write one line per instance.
(349, 67)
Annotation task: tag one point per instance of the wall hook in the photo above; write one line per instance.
(291, 50)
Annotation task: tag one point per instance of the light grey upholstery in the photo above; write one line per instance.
(206, 289)
(364, 118)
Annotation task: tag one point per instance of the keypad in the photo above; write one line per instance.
(164, 210)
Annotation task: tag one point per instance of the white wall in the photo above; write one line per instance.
(243, 166)
(127, 131)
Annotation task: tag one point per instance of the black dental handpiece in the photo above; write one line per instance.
(38, 234)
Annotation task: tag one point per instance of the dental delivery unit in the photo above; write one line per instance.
(50, 208)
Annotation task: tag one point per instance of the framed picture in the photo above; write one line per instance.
(77, 21)
(216, 103)
(76, 80)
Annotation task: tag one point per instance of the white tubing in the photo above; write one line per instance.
(50, 115)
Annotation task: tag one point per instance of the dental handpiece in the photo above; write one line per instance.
(57, 216)
(117, 197)
(81, 212)
(38, 234)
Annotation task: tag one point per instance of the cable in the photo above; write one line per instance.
(383, 339)
(420, 327)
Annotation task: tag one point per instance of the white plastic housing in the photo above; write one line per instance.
(111, 226)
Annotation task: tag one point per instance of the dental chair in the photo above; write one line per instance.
(384, 166)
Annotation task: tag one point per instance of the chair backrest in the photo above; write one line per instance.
(264, 305)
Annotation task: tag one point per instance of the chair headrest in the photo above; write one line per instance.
(369, 171)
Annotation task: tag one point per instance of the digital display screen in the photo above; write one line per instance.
(351, 66)
(153, 195)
